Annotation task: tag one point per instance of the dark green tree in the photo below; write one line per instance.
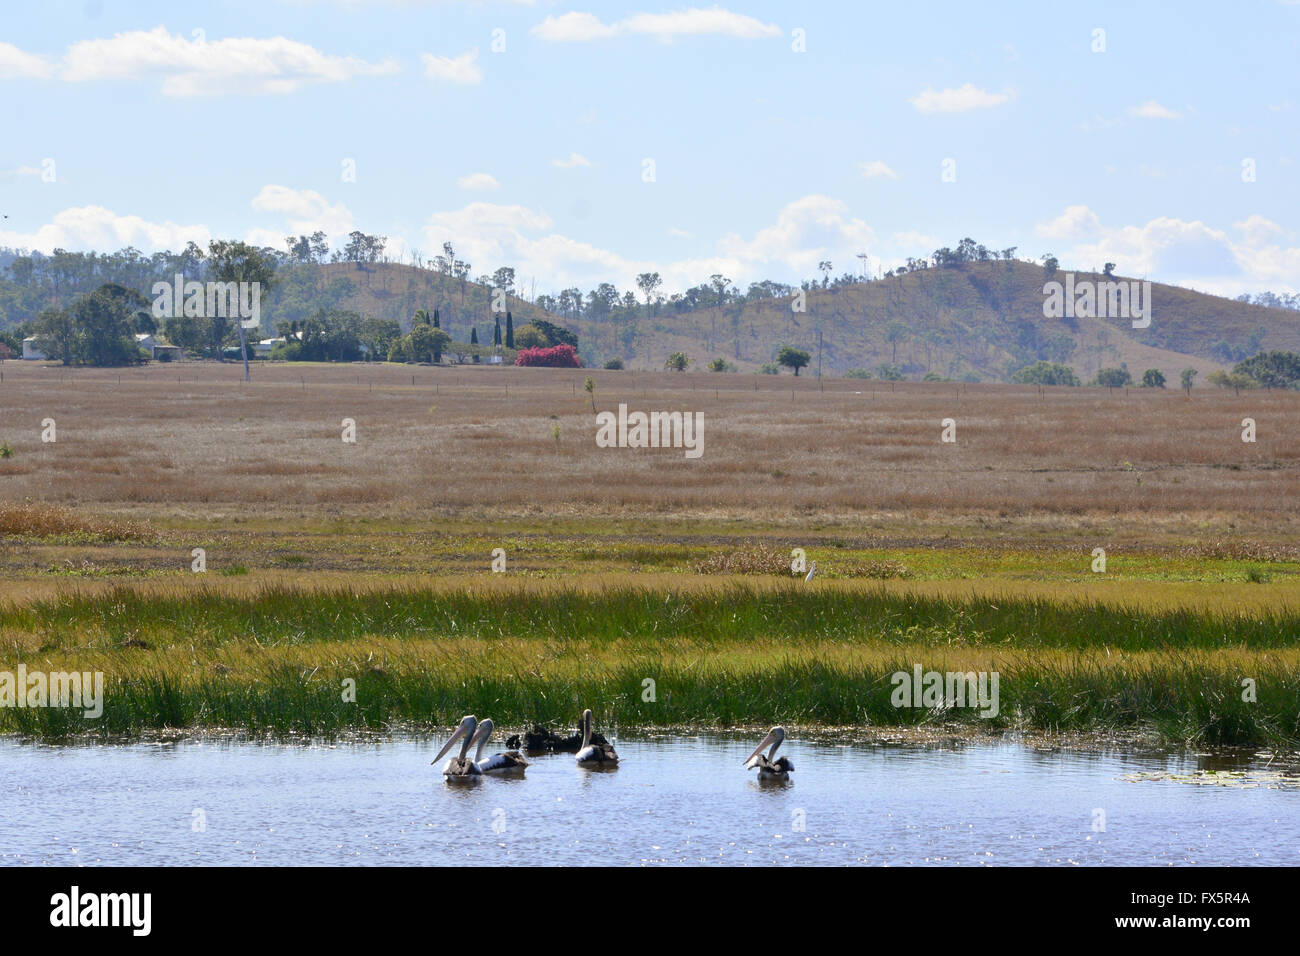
(1045, 373)
(1276, 369)
(238, 262)
(792, 358)
(56, 334)
(1113, 377)
(104, 326)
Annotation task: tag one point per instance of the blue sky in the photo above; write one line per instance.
(125, 126)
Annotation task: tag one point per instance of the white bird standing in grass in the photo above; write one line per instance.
(811, 571)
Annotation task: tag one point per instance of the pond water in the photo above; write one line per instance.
(673, 800)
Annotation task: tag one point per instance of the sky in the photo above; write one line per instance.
(590, 142)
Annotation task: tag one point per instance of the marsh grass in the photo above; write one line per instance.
(275, 661)
(40, 520)
(746, 559)
(731, 611)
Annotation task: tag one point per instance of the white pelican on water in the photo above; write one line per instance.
(768, 768)
(511, 760)
(594, 755)
(460, 766)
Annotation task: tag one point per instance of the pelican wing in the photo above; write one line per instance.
(513, 760)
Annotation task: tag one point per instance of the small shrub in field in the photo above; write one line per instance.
(5, 450)
(746, 561)
(36, 520)
(557, 356)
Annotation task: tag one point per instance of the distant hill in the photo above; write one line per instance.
(974, 320)
(978, 320)
(393, 291)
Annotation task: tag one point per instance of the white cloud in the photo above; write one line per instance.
(678, 233)
(15, 64)
(574, 160)
(478, 181)
(85, 228)
(1152, 110)
(194, 66)
(22, 171)
(1189, 252)
(666, 27)
(1257, 229)
(957, 100)
(806, 231)
(462, 70)
(1077, 222)
(305, 211)
(573, 28)
(876, 169)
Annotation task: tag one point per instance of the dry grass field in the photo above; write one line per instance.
(192, 440)
(327, 560)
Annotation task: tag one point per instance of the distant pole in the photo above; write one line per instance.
(243, 349)
(819, 354)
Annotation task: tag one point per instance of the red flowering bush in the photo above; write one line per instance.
(557, 356)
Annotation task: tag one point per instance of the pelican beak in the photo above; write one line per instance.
(767, 742)
(460, 732)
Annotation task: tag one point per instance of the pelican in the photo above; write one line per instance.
(769, 769)
(497, 763)
(594, 755)
(460, 766)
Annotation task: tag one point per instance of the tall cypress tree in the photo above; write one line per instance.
(473, 340)
(510, 330)
(496, 328)
(437, 354)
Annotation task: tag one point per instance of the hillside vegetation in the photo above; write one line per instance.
(982, 320)
(976, 320)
